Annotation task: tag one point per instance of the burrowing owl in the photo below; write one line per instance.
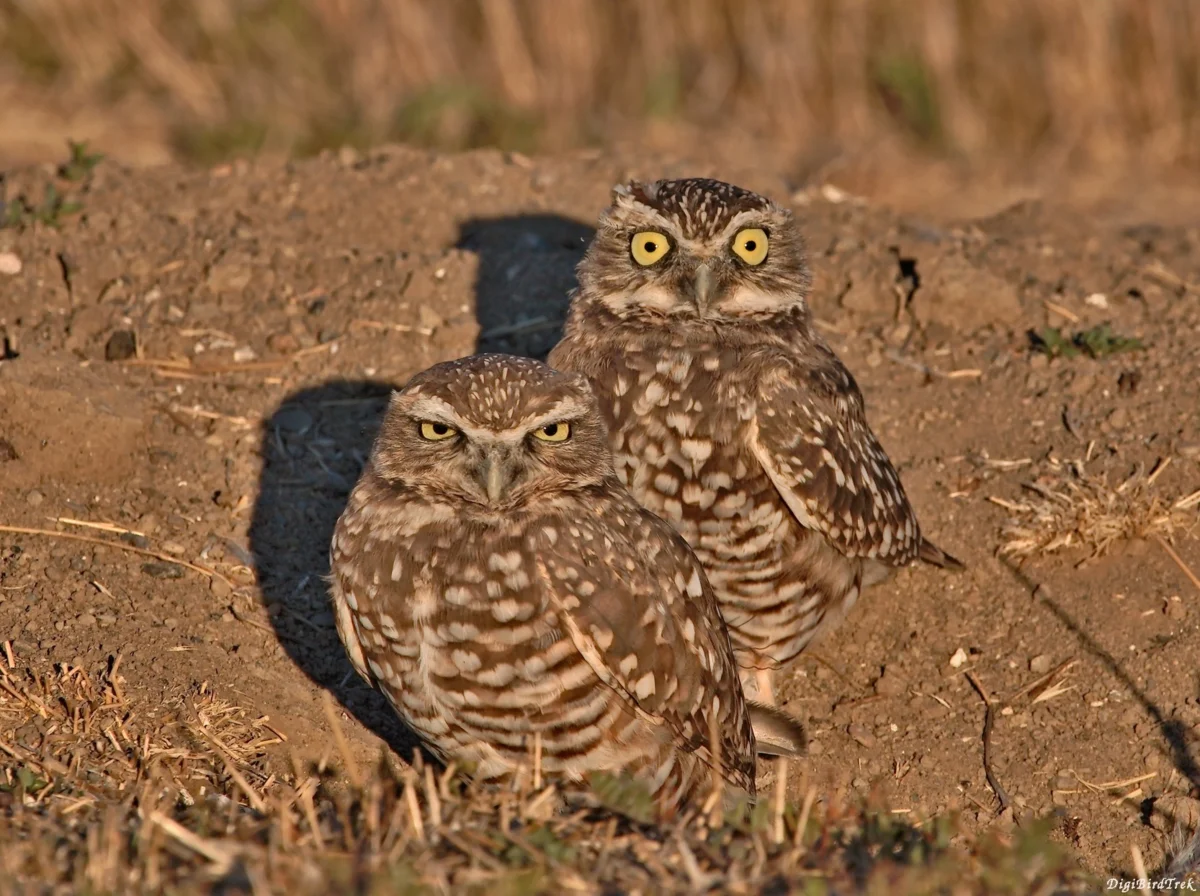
(493, 577)
(730, 417)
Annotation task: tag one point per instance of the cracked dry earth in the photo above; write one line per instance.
(272, 306)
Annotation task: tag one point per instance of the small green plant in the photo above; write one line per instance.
(1096, 342)
(50, 211)
(623, 794)
(27, 781)
(81, 163)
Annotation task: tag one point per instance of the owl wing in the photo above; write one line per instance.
(633, 598)
(811, 436)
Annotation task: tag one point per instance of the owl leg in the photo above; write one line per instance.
(765, 680)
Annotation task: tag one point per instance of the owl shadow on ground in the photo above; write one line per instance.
(313, 448)
(526, 273)
(316, 441)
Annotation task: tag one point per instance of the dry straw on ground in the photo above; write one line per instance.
(98, 797)
(1085, 80)
(1075, 508)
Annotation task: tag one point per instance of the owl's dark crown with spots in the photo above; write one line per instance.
(703, 206)
(499, 390)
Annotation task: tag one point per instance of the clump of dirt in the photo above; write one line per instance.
(195, 363)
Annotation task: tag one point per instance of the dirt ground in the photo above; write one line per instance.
(273, 306)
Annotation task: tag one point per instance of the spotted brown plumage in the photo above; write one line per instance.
(491, 575)
(730, 417)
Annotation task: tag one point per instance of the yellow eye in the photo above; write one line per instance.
(437, 432)
(553, 432)
(649, 246)
(751, 245)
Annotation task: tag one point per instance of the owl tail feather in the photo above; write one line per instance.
(931, 553)
(776, 732)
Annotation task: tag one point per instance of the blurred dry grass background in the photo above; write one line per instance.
(1063, 82)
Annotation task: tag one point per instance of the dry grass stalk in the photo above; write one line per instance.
(102, 796)
(1101, 81)
(1083, 510)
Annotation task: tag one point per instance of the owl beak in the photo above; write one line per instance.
(702, 286)
(496, 476)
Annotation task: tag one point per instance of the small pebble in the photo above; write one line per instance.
(1040, 664)
(121, 346)
(1175, 608)
(160, 570)
(10, 264)
(173, 547)
(85, 620)
(890, 684)
(293, 418)
(1118, 418)
(34, 498)
(220, 588)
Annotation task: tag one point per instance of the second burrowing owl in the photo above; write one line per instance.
(493, 577)
(730, 416)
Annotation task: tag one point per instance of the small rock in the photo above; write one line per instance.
(85, 620)
(106, 619)
(220, 588)
(10, 264)
(244, 354)
(293, 418)
(159, 570)
(1040, 664)
(229, 277)
(1097, 300)
(34, 498)
(862, 735)
(1118, 418)
(174, 547)
(1175, 608)
(348, 157)
(1082, 383)
(1173, 813)
(1043, 592)
(171, 623)
(283, 343)
(959, 657)
(834, 195)
(890, 684)
(428, 318)
(147, 523)
(121, 346)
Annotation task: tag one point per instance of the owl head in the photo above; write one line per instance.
(699, 249)
(493, 432)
